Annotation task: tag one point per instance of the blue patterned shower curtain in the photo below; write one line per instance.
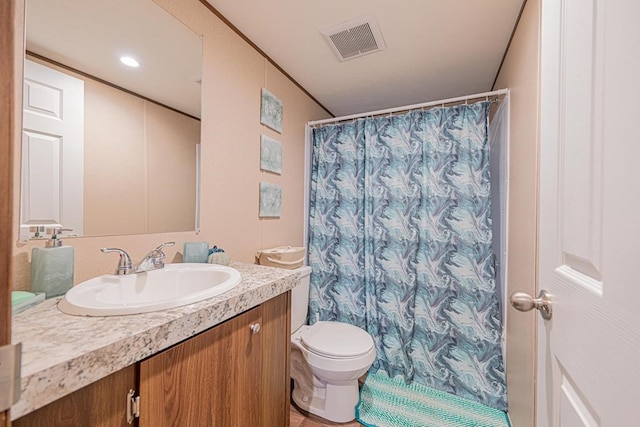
(400, 245)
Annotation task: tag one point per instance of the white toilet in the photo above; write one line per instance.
(327, 358)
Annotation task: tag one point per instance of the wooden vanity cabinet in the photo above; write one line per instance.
(234, 374)
(101, 404)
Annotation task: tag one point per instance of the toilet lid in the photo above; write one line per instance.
(337, 339)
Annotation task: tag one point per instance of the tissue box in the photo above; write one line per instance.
(288, 257)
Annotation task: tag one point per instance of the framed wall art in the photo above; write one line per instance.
(270, 155)
(271, 111)
(270, 200)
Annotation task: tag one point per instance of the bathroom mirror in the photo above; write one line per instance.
(109, 149)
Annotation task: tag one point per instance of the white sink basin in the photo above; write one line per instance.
(172, 286)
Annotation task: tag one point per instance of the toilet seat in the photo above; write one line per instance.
(336, 340)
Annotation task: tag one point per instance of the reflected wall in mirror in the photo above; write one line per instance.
(109, 149)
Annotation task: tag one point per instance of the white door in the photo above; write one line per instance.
(589, 248)
(52, 150)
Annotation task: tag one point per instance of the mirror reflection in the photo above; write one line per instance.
(109, 148)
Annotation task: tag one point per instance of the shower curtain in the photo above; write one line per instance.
(400, 245)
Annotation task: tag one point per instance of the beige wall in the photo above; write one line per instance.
(137, 155)
(233, 75)
(114, 159)
(520, 74)
(171, 140)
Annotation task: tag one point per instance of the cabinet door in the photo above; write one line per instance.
(101, 404)
(276, 340)
(213, 379)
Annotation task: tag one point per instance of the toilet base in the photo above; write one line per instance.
(326, 386)
(335, 403)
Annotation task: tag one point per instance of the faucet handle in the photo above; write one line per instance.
(158, 253)
(124, 265)
(157, 256)
(164, 245)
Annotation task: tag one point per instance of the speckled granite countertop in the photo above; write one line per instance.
(63, 353)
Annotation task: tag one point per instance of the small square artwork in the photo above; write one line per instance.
(270, 155)
(270, 200)
(271, 111)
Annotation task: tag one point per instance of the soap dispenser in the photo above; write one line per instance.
(52, 267)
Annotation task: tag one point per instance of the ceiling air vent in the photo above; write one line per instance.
(354, 38)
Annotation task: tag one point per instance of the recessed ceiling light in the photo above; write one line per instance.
(129, 61)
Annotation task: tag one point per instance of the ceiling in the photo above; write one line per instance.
(91, 35)
(435, 49)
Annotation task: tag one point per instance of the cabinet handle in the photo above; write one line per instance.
(133, 406)
(255, 328)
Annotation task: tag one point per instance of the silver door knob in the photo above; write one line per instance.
(255, 328)
(524, 302)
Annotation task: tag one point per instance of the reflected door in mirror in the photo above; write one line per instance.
(53, 117)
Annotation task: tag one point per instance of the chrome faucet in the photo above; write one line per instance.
(124, 265)
(151, 261)
(154, 259)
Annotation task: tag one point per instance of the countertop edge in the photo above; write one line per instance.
(44, 386)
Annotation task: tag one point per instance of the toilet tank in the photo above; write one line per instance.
(300, 299)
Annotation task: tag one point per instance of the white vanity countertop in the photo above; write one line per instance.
(63, 353)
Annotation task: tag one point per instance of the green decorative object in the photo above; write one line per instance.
(21, 300)
(219, 258)
(19, 297)
(52, 267)
(195, 252)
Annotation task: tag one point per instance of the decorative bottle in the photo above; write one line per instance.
(52, 267)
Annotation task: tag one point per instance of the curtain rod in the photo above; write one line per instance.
(498, 92)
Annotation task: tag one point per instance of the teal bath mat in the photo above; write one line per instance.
(388, 402)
